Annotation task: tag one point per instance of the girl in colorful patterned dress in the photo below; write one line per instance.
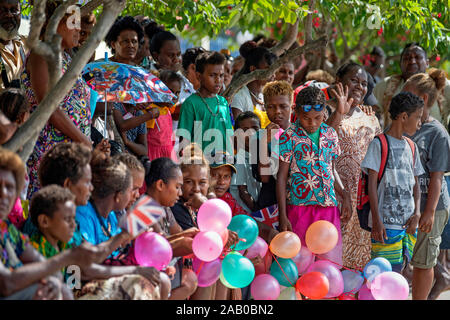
(306, 176)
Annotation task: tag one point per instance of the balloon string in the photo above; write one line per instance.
(200, 268)
(282, 269)
(353, 291)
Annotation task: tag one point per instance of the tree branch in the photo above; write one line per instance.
(90, 6)
(288, 39)
(308, 23)
(51, 101)
(237, 83)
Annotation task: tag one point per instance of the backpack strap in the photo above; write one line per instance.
(384, 154)
(413, 149)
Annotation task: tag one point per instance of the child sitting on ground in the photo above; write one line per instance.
(305, 180)
(52, 211)
(395, 200)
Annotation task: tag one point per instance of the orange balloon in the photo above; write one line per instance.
(321, 237)
(313, 285)
(285, 245)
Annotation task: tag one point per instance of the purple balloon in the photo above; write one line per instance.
(353, 280)
(265, 287)
(333, 275)
(365, 293)
(152, 250)
(209, 271)
(259, 247)
(303, 259)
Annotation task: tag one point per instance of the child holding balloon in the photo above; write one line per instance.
(164, 180)
(306, 177)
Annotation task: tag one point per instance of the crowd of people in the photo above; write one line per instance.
(297, 140)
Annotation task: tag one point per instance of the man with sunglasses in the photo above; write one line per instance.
(12, 48)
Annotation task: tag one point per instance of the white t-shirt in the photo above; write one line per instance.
(395, 191)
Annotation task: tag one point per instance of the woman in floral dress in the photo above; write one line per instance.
(72, 120)
(356, 129)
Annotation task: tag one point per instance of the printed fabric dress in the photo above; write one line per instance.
(76, 107)
(355, 134)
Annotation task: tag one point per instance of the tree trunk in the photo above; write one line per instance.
(243, 80)
(31, 129)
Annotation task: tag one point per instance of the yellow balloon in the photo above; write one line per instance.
(285, 245)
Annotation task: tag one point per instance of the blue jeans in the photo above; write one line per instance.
(445, 244)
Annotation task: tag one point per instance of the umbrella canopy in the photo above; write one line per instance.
(125, 83)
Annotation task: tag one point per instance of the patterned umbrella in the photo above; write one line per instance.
(125, 83)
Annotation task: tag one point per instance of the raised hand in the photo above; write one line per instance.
(343, 102)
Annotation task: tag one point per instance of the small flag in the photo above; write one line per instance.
(145, 213)
(268, 216)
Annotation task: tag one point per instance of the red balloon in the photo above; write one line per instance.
(313, 285)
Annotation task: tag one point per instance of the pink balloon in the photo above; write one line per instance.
(389, 285)
(207, 245)
(214, 215)
(303, 259)
(365, 293)
(265, 287)
(207, 272)
(259, 247)
(152, 250)
(333, 275)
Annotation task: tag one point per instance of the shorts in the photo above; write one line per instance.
(427, 248)
(445, 242)
(397, 249)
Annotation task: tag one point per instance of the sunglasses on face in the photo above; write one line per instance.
(317, 107)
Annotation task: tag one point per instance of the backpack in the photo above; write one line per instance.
(363, 200)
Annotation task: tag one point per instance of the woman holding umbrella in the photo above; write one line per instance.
(124, 38)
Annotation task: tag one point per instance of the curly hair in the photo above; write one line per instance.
(10, 161)
(190, 55)
(47, 200)
(430, 83)
(108, 176)
(132, 163)
(404, 102)
(13, 103)
(210, 57)
(64, 161)
(320, 76)
(277, 88)
(121, 24)
(254, 57)
(167, 76)
(193, 155)
(309, 95)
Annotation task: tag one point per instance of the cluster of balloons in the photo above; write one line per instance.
(293, 270)
(294, 267)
